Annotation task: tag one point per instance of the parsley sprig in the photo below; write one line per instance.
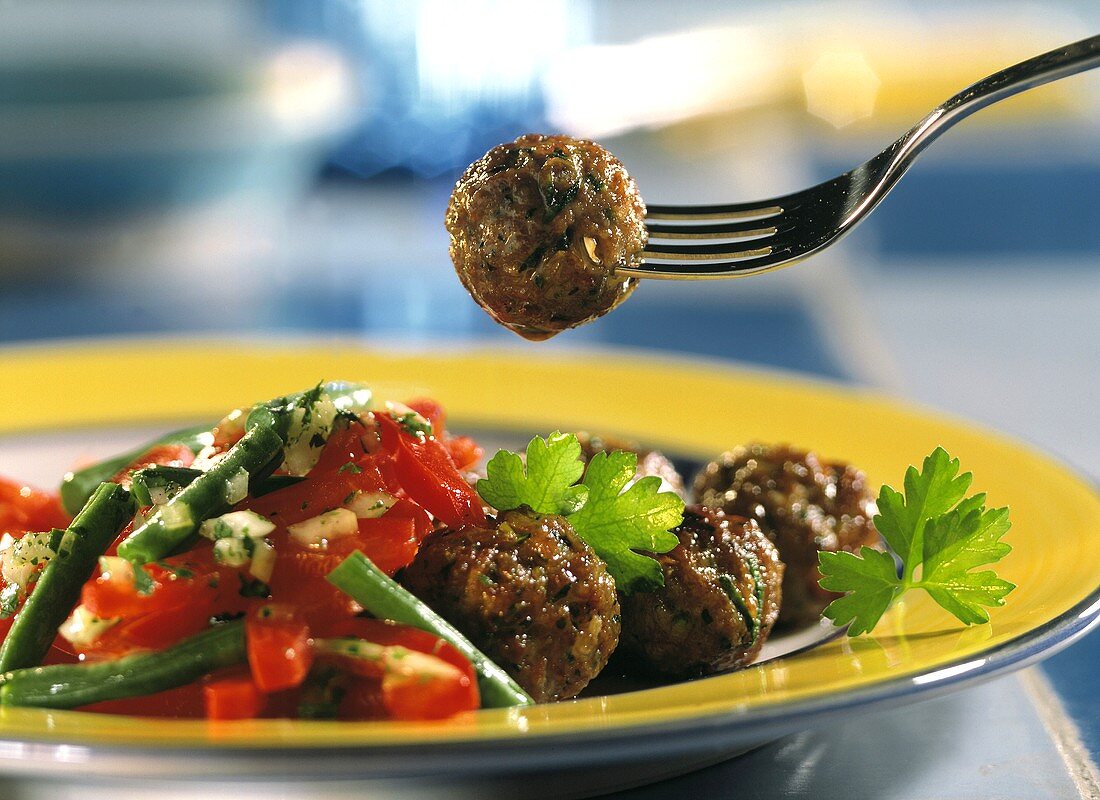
(544, 484)
(939, 535)
(615, 520)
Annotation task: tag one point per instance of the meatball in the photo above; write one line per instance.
(529, 593)
(720, 599)
(650, 462)
(538, 228)
(803, 504)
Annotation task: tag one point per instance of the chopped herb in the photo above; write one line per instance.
(351, 467)
(179, 572)
(9, 600)
(143, 583)
(413, 424)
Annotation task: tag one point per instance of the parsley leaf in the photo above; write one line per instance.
(928, 494)
(933, 527)
(544, 484)
(871, 581)
(616, 523)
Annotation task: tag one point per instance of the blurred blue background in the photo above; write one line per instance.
(281, 166)
(274, 168)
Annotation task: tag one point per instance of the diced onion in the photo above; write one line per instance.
(21, 558)
(359, 398)
(159, 495)
(263, 561)
(232, 552)
(370, 505)
(82, 628)
(115, 567)
(237, 525)
(236, 488)
(317, 531)
(308, 426)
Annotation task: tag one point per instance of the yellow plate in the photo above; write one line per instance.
(688, 408)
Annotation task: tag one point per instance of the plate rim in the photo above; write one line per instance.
(1004, 657)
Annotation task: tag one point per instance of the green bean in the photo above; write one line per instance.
(160, 479)
(172, 524)
(58, 587)
(72, 685)
(168, 481)
(77, 487)
(383, 597)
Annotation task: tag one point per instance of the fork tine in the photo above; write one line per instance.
(728, 211)
(751, 262)
(708, 252)
(735, 264)
(722, 230)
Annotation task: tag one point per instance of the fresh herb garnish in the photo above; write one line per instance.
(616, 523)
(614, 520)
(545, 484)
(935, 527)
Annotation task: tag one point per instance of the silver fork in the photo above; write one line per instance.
(747, 238)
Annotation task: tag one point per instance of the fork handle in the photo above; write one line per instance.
(1067, 60)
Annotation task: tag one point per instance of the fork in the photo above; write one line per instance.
(747, 238)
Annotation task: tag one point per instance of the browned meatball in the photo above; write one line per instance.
(538, 228)
(650, 462)
(720, 599)
(529, 593)
(803, 504)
